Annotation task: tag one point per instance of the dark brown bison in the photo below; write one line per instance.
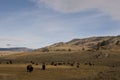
(29, 68)
(43, 66)
(78, 65)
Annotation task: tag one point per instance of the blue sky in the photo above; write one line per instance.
(38, 23)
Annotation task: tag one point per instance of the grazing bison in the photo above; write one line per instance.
(78, 65)
(55, 64)
(29, 68)
(89, 63)
(36, 63)
(10, 62)
(43, 66)
(52, 63)
(32, 62)
(7, 62)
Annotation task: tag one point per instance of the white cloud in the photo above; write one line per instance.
(109, 7)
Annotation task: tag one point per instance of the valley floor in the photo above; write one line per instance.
(65, 72)
(93, 65)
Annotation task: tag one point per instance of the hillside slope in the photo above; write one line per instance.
(92, 43)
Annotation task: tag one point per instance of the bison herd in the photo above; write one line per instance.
(43, 67)
(30, 68)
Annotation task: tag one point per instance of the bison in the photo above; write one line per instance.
(29, 68)
(43, 66)
(78, 65)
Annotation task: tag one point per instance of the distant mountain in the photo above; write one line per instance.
(92, 43)
(18, 49)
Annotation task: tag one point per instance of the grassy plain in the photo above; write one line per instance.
(18, 72)
(104, 68)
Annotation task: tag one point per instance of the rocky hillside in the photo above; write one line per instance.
(92, 43)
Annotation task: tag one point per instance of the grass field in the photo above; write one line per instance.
(104, 68)
(18, 72)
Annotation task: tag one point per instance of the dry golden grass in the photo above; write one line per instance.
(6, 53)
(18, 72)
(105, 68)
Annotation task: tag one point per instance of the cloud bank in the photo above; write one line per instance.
(108, 7)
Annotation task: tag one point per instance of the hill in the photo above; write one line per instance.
(15, 50)
(92, 43)
(18, 49)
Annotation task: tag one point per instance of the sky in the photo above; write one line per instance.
(39, 23)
